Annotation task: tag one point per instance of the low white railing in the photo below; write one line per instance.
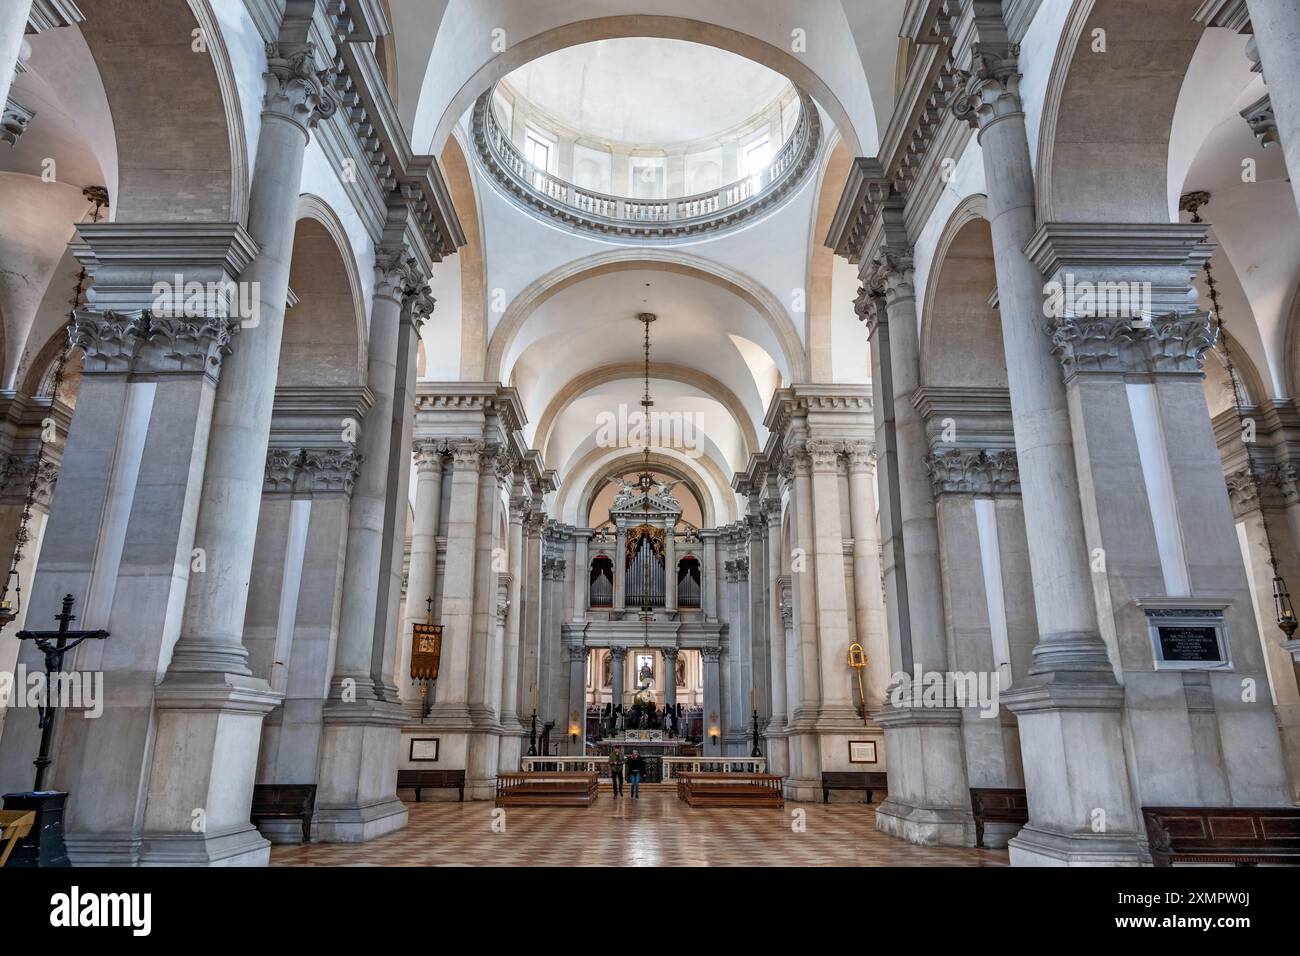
(598, 765)
(678, 765)
(649, 218)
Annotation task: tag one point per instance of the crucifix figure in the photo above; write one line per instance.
(54, 645)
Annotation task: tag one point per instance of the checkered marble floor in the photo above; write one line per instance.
(655, 830)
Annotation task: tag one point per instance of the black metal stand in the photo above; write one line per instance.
(532, 736)
(755, 752)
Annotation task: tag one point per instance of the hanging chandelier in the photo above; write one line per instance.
(1283, 610)
(11, 592)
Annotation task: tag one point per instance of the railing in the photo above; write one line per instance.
(646, 218)
(598, 765)
(673, 766)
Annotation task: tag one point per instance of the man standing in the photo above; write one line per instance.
(635, 766)
(616, 771)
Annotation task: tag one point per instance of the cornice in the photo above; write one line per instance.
(51, 14)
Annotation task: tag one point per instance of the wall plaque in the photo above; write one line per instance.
(1187, 638)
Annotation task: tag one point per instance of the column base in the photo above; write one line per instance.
(928, 802)
(244, 846)
(209, 730)
(356, 795)
(1081, 808)
(1035, 846)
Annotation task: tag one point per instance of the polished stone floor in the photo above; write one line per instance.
(656, 830)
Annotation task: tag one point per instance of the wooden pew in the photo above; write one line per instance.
(275, 801)
(14, 825)
(1245, 836)
(542, 788)
(731, 790)
(868, 780)
(418, 780)
(997, 805)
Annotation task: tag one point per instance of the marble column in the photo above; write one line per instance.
(832, 599)
(417, 306)
(670, 678)
(209, 707)
(1276, 26)
(582, 575)
(618, 672)
(776, 647)
(868, 597)
(483, 748)
(1069, 706)
(356, 799)
(422, 571)
(508, 759)
(670, 571)
(13, 25)
(804, 696)
(928, 800)
(620, 569)
(451, 693)
(712, 728)
(575, 726)
(709, 582)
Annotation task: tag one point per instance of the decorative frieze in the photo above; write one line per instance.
(963, 471)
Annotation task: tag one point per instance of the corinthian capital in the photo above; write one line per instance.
(869, 306)
(294, 88)
(891, 273)
(395, 272)
(990, 90)
(421, 303)
(824, 453)
(862, 455)
(428, 454)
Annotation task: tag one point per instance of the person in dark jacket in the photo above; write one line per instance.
(616, 759)
(635, 767)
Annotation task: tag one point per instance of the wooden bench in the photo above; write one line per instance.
(1245, 836)
(14, 825)
(418, 780)
(276, 801)
(868, 780)
(731, 790)
(542, 788)
(997, 805)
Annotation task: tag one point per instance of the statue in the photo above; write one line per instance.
(622, 497)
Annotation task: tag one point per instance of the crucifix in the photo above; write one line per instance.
(54, 645)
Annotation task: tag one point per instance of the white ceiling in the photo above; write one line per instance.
(648, 91)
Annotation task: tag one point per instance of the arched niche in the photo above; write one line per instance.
(181, 150)
(325, 331)
(1103, 153)
(961, 331)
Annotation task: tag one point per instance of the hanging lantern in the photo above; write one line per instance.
(11, 597)
(1286, 618)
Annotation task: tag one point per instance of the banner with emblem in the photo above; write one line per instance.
(426, 651)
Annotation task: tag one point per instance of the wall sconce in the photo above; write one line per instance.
(713, 728)
(574, 729)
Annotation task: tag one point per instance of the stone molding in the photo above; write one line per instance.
(981, 471)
